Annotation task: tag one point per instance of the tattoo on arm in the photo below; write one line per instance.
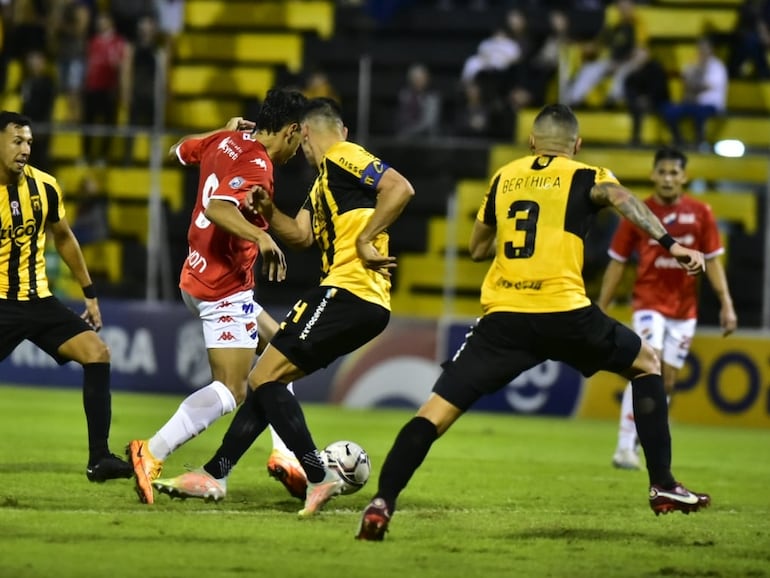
(629, 206)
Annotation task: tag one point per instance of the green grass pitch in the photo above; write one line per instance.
(498, 496)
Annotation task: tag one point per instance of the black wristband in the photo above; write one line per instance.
(89, 292)
(667, 241)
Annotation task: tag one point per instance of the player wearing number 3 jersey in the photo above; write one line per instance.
(217, 280)
(534, 220)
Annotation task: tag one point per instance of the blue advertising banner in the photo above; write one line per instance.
(154, 347)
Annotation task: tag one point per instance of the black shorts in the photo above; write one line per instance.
(503, 345)
(46, 322)
(327, 323)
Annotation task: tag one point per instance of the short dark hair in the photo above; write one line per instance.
(9, 117)
(670, 154)
(560, 114)
(281, 106)
(324, 107)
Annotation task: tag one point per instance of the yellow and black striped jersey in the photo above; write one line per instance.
(542, 210)
(25, 208)
(341, 202)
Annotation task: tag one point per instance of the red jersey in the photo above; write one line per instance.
(661, 284)
(219, 264)
(105, 53)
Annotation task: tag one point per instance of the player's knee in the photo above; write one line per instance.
(647, 361)
(94, 351)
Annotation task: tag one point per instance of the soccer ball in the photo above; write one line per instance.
(350, 462)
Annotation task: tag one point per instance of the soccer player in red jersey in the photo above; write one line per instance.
(665, 298)
(217, 280)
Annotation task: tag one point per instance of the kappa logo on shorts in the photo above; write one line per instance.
(226, 336)
(223, 304)
(225, 319)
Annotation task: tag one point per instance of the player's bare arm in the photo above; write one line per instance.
(482, 243)
(626, 203)
(227, 216)
(394, 191)
(69, 249)
(728, 320)
(296, 232)
(612, 276)
(235, 123)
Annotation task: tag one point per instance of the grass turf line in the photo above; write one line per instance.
(499, 495)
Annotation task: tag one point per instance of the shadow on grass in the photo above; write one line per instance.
(605, 535)
(38, 468)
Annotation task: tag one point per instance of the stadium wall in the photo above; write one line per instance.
(158, 347)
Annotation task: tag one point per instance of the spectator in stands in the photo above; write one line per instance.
(140, 82)
(105, 71)
(91, 223)
(126, 15)
(68, 39)
(537, 71)
(170, 19)
(474, 118)
(704, 94)
(38, 92)
(489, 66)
(751, 40)
(646, 92)
(318, 85)
(28, 30)
(419, 106)
(617, 52)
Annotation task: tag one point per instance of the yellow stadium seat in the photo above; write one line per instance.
(268, 48)
(128, 220)
(105, 258)
(201, 113)
(316, 15)
(422, 280)
(749, 95)
(132, 184)
(236, 81)
(685, 22)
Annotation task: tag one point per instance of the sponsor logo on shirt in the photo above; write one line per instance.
(687, 218)
(228, 147)
(668, 219)
(236, 182)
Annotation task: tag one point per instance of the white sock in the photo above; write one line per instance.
(277, 441)
(627, 429)
(197, 412)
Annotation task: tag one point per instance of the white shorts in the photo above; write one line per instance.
(670, 336)
(230, 322)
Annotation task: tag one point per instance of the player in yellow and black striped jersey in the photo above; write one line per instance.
(31, 206)
(533, 221)
(353, 200)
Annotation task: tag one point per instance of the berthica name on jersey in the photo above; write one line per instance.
(530, 182)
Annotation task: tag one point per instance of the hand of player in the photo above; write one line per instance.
(273, 259)
(728, 321)
(690, 260)
(240, 123)
(92, 315)
(372, 259)
(258, 201)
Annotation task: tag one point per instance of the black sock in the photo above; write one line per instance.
(285, 415)
(97, 404)
(408, 452)
(651, 417)
(248, 423)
